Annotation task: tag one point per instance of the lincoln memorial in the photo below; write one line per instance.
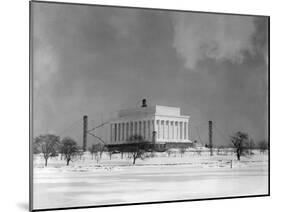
(167, 123)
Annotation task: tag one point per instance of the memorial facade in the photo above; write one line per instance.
(167, 123)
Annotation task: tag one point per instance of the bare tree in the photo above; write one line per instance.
(93, 150)
(100, 148)
(69, 149)
(263, 146)
(48, 144)
(110, 152)
(239, 140)
(138, 148)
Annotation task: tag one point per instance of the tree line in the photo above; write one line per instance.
(50, 145)
(138, 148)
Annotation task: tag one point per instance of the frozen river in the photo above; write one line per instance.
(98, 185)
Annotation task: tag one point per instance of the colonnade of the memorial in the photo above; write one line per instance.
(166, 130)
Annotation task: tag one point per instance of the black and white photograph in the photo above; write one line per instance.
(135, 105)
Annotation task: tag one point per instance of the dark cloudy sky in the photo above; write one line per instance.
(96, 60)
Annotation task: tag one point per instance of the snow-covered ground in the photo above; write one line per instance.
(86, 183)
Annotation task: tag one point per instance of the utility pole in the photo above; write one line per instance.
(211, 137)
(85, 131)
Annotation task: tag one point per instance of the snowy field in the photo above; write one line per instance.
(190, 176)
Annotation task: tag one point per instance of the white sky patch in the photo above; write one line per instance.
(207, 36)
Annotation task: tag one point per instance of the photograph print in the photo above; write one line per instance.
(136, 105)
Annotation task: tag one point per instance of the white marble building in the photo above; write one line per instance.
(168, 123)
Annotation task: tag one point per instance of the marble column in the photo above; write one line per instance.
(168, 130)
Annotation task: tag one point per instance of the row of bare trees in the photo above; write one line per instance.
(97, 151)
(240, 141)
(137, 149)
(50, 145)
